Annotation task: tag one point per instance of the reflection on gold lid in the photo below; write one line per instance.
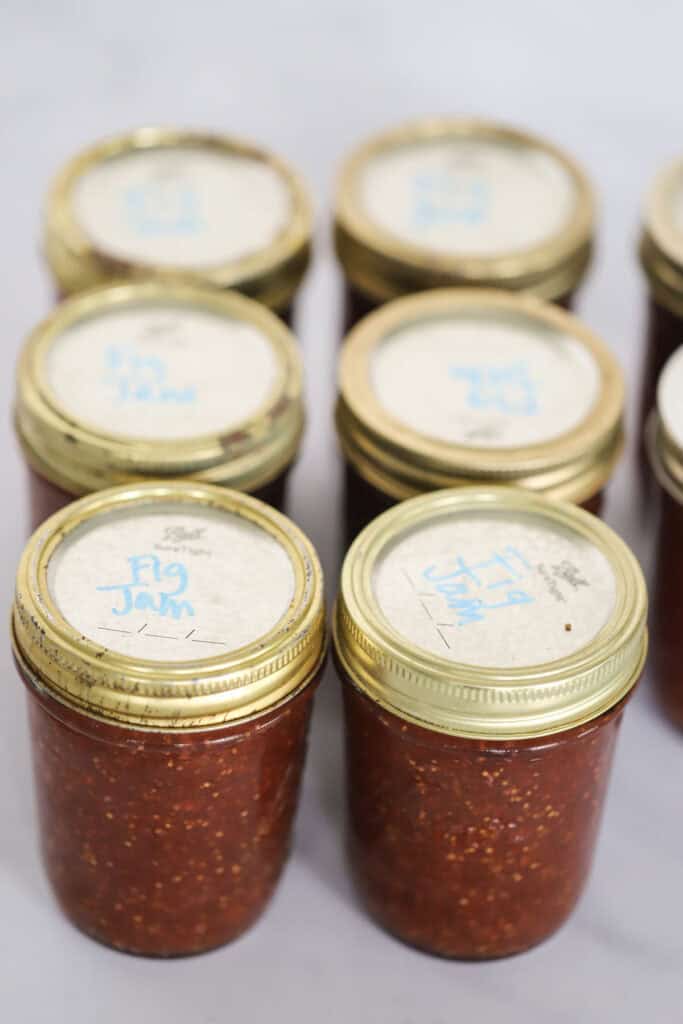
(441, 202)
(491, 613)
(179, 205)
(82, 448)
(169, 606)
(661, 245)
(437, 415)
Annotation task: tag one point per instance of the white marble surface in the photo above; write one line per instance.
(309, 79)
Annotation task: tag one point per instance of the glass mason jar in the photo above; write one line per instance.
(170, 637)
(137, 381)
(665, 443)
(443, 202)
(661, 253)
(487, 641)
(457, 386)
(180, 205)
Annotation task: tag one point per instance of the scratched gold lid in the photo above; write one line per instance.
(180, 205)
(441, 202)
(131, 381)
(491, 613)
(456, 385)
(661, 245)
(169, 606)
(664, 429)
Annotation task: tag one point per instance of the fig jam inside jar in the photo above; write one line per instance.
(170, 638)
(457, 386)
(665, 442)
(180, 205)
(661, 253)
(138, 381)
(444, 202)
(487, 641)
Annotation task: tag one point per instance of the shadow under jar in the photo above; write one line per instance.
(137, 381)
(456, 386)
(442, 202)
(661, 253)
(170, 638)
(486, 641)
(665, 442)
(180, 205)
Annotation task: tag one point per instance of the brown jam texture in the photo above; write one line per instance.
(362, 502)
(666, 620)
(45, 498)
(357, 305)
(664, 335)
(468, 848)
(166, 844)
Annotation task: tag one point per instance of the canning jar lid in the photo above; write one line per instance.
(661, 245)
(664, 432)
(491, 613)
(169, 606)
(132, 381)
(460, 385)
(176, 204)
(441, 201)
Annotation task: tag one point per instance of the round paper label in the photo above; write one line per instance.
(495, 590)
(185, 206)
(485, 380)
(161, 372)
(169, 583)
(468, 196)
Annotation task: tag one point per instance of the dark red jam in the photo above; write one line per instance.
(362, 502)
(171, 637)
(165, 844)
(486, 640)
(666, 625)
(466, 848)
(357, 305)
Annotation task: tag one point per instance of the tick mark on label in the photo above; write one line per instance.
(109, 629)
(429, 614)
(160, 636)
(443, 638)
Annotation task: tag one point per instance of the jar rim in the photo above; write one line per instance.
(661, 244)
(479, 701)
(271, 274)
(168, 695)
(383, 266)
(402, 462)
(80, 457)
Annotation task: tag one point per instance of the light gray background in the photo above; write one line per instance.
(309, 79)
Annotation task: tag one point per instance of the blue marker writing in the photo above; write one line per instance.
(472, 591)
(142, 591)
(142, 379)
(163, 207)
(509, 389)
